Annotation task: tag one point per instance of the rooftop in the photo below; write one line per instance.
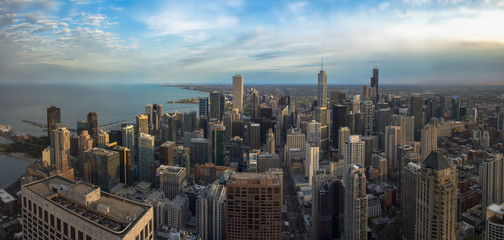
(437, 161)
(6, 197)
(172, 170)
(108, 211)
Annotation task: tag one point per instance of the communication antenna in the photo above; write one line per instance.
(322, 64)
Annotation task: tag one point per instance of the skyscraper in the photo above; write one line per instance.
(199, 151)
(312, 160)
(356, 104)
(53, 119)
(436, 205)
(238, 92)
(125, 175)
(416, 110)
(255, 136)
(354, 154)
(313, 132)
(218, 134)
(356, 203)
(492, 181)
(101, 168)
(236, 152)
(60, 148)
(409, 181)
(128, 136)
(270, 142)
(171, 180)
(103, 139)
(343, 134)
(494, 222)
(58, 208)
(145, 156)
(166, 153)
(263, 218)
(319, 179)
(254, 99)
(92, 119)
(215, 105)
(455, 108)
(367, 110)
(429, 140)
(142, 124)
(393, 139)
(374, 83)
(339, 113)
(203, 107)
(321, 109)
(149, 111)
(210, 211)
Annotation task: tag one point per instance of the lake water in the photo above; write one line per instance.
(11, 168)
(112, 103)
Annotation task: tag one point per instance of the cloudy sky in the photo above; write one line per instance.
(279, 42)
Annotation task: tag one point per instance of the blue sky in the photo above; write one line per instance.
(278, 42)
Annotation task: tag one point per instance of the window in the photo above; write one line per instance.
(72, 233)
(52, 220)
(65, 228)
(80, 235)
(24, 201)
(88, 237)
(46, 219)
(58, 225)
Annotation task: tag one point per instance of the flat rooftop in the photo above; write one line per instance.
(173, 170)
(254, 178)
(108, 211)
(6, 197)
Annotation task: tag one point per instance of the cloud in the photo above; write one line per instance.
(297, 7)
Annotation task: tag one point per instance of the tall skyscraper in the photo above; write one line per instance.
(393, 139)
(416, 110)
(60, 148)
(53, 119)
(312, 160)
(238, 92)
(429, 140)
(356, 203)
(313, 132)
(199, 151)
(215, 105)
(101, 168)
(58, 208)
(408, 193)
(157, 115)
(103, 139)
(166, 153)
(264, 219)
(81, 126)
(142, 124)
(210, 211)
(319, 179)
(339, 113)
(171, 180)
(343, 134)
(255, 136)
(145, 156)
(236, 152)
(436, 206)
(354, 154)
(270, 142)
(254, 101)
(356, 101)
(203, 107)
(128, 136)
(492, 181)
(149, 111)
(455, 108)
(125, 175)
(218, 147)
(92, 119)
(321, 110)
(85, 142)
(374, 84)
(367, 110)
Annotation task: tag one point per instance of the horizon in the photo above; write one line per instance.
(412, 41)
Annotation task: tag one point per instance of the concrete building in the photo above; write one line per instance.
(203, 107)
(255, 136)
(270, 142)
(166, 153)
(125, 166)
(367, 110)
(354, 154)
(393, 139)
(53, 119)
(7, 203)
(319, 179)
(409, 181)
(266, 161)
(145, 156)
(312, 160)
(210, 211)
(313, 133)
(103, 139)
(128, 136)
(92, 119)
(171, 180)
(142, 124)
(437, 180)
(343, 134)
(264, 220)
(429, 140)
(78, 210)
(356, 203)
(416, 111)
(101, 167)
(494, 222)
(199, 151)
(172, 213)
(238, 92)
(60, 151)
(492, 181)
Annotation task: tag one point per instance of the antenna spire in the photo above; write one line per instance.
(322, 64)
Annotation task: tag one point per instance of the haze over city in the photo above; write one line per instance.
(273, 42)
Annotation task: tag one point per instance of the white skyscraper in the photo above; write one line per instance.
(354, 153)
(393, 139)
(311, 160)
(343, 134)
(356, 104)
(238, 92)
(492, 181)
(356, 203)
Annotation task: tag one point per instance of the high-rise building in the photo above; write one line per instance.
(157, 115)
(321, 110)
(103, 139)
(58, 208)
(236, 152)
(125, 174)
(254, 101)
(190, 121)
(436, 205)
(238, 92)
(374, 84)
(210, 211)
(409, 181)
(393, 139)
(266, 161)
(218, 146)
(343, 134)
(92, 119)
(356, 101)
(354, 154)
(101, 167)
(215, 105)
(455, 108)
(166, 153)
(199, 151)
(85, 142)
(203, 107)
(312, 160)
(492, 181)
(313, 132)
(169, 127)
(81, 126)
(171, 213)
(142, 124)
(149, 110)
(263, 218)
(145, 156)
(429, 140)
(60, 148)
(319, 179)
(356, 203)
(331, 209)
(295, 140)
(367, 110)
(494, 222)
(255, 136)
(270, 142)
(181, 158)
(416, 110)
(128, 136)
(53, 119)
(171, 180)
(339, 113)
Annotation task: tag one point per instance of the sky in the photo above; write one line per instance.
(268, 42)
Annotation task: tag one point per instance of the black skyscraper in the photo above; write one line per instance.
(53, 118)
